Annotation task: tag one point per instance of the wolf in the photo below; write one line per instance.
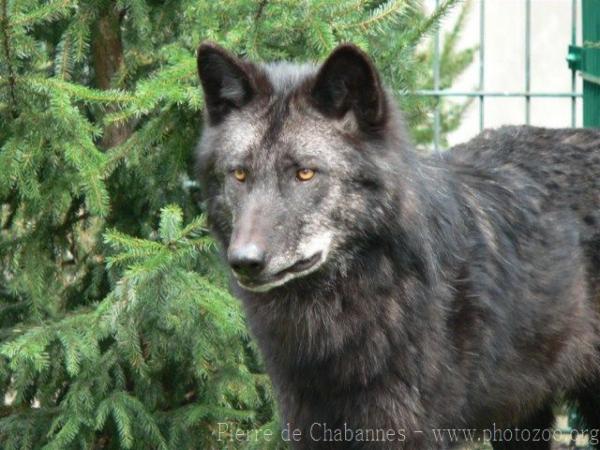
(392, 293)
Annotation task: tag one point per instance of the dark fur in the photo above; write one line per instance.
(465, 290)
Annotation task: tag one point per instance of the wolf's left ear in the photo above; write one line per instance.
(225, 79)
(348, 81)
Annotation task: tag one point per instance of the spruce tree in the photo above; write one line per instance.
(116, 327)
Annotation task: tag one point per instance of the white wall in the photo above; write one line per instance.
(505, 63)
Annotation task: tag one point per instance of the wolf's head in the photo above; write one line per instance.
(292, 161)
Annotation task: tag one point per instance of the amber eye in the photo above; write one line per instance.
(305, 174)
(240, 175)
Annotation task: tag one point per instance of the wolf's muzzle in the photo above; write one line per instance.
(247, 260)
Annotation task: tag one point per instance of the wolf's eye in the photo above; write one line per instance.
(305, 174)
(240, 175)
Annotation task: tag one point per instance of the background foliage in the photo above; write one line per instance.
(116, 328)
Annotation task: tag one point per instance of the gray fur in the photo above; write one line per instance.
(457, 290)
(285, 76)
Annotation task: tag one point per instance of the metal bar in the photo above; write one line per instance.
(480, 94)
(481, 61)
(573, 71)
(527, 60)
(436, 84)
(590, 78)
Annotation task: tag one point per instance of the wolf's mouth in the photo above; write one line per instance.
(299, 268)
(301, 265)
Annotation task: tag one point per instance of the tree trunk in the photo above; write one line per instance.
(107, 60)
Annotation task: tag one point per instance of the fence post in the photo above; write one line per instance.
(590, 62)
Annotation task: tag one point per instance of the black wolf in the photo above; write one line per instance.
(393, 293)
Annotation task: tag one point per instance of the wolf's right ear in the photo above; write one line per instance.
(348, 81)
(226, 83)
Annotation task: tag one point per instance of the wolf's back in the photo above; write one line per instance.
(563, 163)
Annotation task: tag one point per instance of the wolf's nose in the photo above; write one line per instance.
(247, 260)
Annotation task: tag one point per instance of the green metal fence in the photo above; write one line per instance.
(591, 16)
(586, 59)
